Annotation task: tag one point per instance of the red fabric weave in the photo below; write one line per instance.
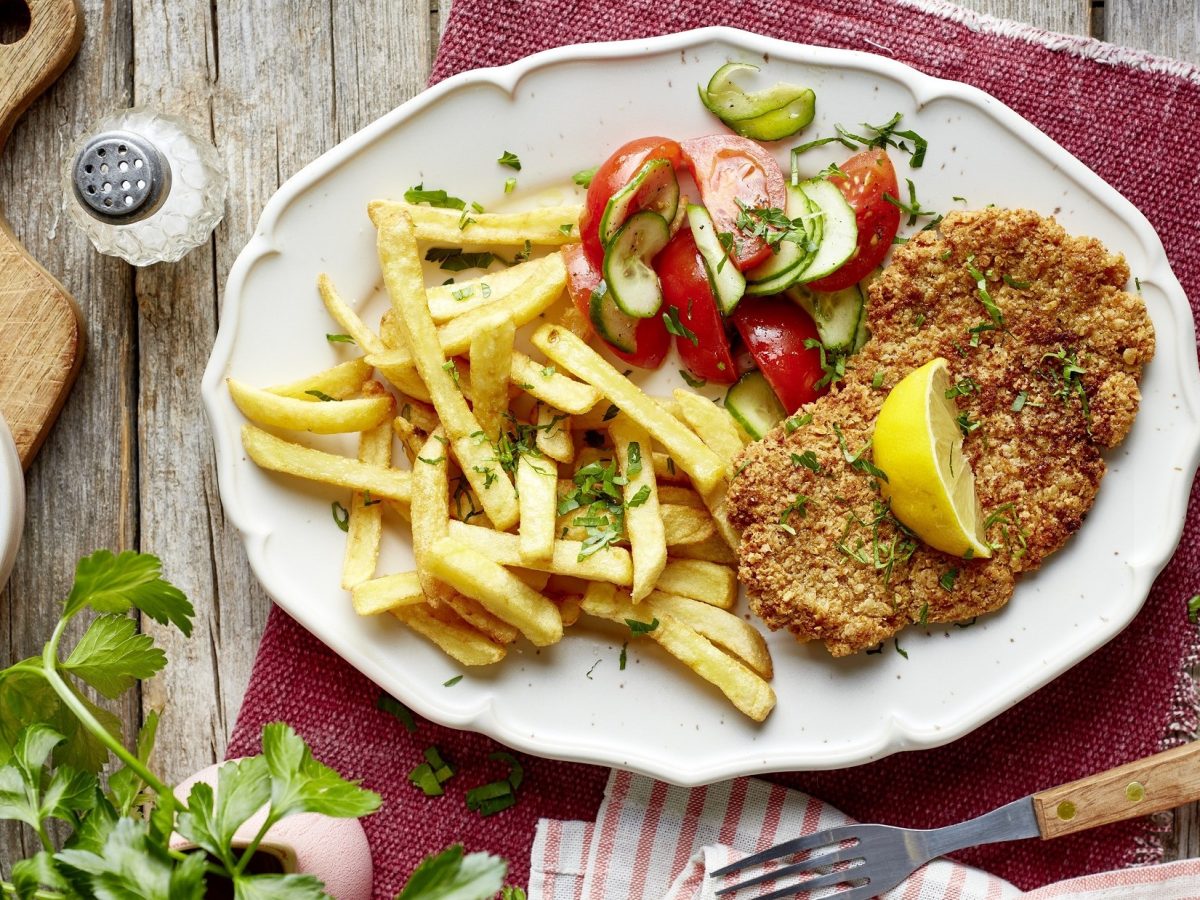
(1133, 126)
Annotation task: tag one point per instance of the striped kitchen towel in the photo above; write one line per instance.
(651, 841)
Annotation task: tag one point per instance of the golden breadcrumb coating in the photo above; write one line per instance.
(850, 575)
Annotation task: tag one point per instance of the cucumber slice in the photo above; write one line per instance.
(767, 115)
(754, 405)
(836, 314)
(728, 284)
(654, 188)
(785, 267)
(864, 333)
(610, 323)
(631, 282)
(839, 235)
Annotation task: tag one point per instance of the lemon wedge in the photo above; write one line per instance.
(930, 483)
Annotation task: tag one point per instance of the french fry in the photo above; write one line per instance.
(380, 595)
(551, 387)
(602, 415)
(339, 382)
(334, 417)
(666, 470)
(713, 550)
(412, 440)
(346, 317)
(457, 639)
(401, 266)
(680, 496)
(688, 451)
(569, 607)
(744, 688)
(477, 616)
(532, 577)
(643, 520)
(553, 437)
(537, 492)
(544, 226)
(422, 415)
(283, 456)
(501, 593)
(364, 530)
(607, 564)
(713, 424)
(491, 361)
(449, 301)
(701, 580)
(684, 525)
(715, 499)
(430, 510)
(723, 628)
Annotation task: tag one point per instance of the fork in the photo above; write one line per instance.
(879, 857)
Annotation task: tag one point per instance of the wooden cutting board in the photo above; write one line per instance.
(41, 333)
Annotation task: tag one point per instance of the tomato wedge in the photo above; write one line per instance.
(687, 290)
(775, 330)
(651, 339)
(614, 173)
(869, 175)
(729, 169)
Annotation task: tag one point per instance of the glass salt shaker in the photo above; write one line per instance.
(144, 186)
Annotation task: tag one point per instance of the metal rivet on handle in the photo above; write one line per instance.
(121, 175)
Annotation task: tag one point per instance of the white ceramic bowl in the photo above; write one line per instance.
(565, 110)
(12, 501)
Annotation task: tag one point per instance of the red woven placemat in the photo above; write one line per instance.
(1131, 119)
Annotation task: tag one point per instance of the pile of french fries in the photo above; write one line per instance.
(534, 490)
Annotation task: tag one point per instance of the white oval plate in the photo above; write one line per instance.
(565, 110)
(12, 501)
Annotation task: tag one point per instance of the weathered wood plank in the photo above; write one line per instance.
(1166, 27)
(1066, 16)
(82, 487)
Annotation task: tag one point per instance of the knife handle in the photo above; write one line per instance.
(1150, 785)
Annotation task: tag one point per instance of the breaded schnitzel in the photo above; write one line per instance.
(1048, 380)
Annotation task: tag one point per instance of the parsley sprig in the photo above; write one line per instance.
(886, 135)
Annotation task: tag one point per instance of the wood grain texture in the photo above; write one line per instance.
(1165, 27)
(41, 336)
(1065, 16)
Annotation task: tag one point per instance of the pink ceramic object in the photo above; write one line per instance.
(332, 850)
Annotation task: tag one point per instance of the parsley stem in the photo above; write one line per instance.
(8, 889)
(251, 848)
(72, 702)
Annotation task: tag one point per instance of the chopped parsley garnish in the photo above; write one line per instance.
(961, 388)
(677, 328)
(642, 495)
(913, 207)
(462, 293)
(340, 339)
(341, 516)
(624, 657)
(639, 628)
(691, 380)
(584, 177)
(452, 259)
(451, 682)
(772, 226)
(566, 229)
(966, 424)
(985, 298)
(390, 705)
(923, 615)
(321, 395)
(791, 423)
(899, 649)
(726, 240)
(1193, 609)
(598, 495)
(1019, 403)
(807, 459)
(877, 380)
(633, 459)
(368, 500)
(439, 199)
(799, 506)
(510, 159)
(886, 540)
(433, 462)
(947, 579)
(510, 185)
(858, 460)
(1012, 536)
(485, 290)
(451, 369)
(610, 413)
(1138, 284)
(1068, 379)
(1014, 284)
(592, 669)
(497, 796)
(833, 364)
(885, 135)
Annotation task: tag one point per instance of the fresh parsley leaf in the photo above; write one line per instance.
(134, 864)
(113, 583)
(299, 783)
(584, 177)
(913, 207)
(981, 291)
(642, 495)
(340, 339)
(439, 199)
(341, 516)
(677, 328)
(807, 459)
(451, 874)
(639, 628)
(112, 655)
(510, 159)
(278, 887)
(947, 579)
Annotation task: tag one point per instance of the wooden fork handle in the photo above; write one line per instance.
(1150, 785)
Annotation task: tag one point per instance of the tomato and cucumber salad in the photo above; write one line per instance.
(762, 264)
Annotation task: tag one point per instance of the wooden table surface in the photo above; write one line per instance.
(130, 463)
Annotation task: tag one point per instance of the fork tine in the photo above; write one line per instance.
(809, 865)
(787, 848)
(832, 878)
